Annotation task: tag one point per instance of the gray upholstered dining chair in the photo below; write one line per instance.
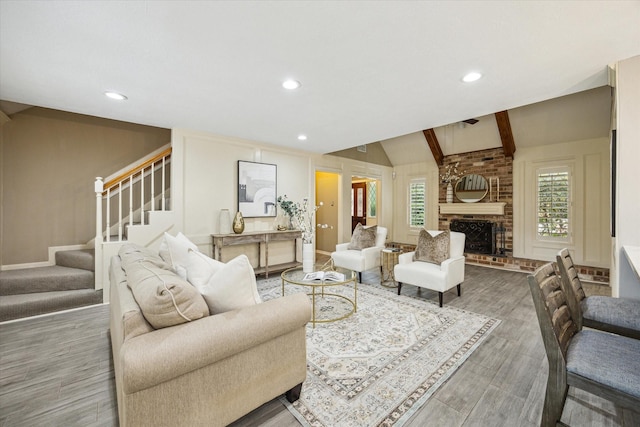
(617, 315)
(600, 363)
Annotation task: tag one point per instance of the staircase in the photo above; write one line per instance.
(68, 284)
(131, 205)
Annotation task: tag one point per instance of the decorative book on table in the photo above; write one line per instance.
(327, 276)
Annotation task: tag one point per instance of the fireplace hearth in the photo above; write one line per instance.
(482, 236)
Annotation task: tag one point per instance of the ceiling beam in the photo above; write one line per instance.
(504, 127)
(432, 140)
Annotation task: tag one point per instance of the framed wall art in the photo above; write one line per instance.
(256, 189)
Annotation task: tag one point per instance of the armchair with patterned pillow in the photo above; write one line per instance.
(362, 253)
(436, 264)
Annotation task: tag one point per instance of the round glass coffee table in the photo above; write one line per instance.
(295, 276)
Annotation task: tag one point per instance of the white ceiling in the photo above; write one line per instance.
(370, 71)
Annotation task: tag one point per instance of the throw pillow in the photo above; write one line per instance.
(434, 249)
(200, 268)
(173, 250)
(164, 298)
(232, 286)
(363, 237)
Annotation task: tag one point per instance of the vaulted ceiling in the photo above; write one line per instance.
(370, 71)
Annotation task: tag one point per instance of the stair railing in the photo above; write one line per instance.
(119, 195)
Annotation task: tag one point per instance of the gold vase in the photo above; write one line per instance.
(238, 223)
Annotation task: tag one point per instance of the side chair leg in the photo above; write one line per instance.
(459, 289)
(359, 277)
(399, 287)
(440, 294)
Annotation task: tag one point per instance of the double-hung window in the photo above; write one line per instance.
(417, 196)
(553, 205)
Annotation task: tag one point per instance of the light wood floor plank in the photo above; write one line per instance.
(46, 378)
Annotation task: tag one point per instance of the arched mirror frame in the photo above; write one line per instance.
(471, 188)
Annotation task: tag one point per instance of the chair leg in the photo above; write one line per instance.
(554, 400)
(440, 294)
(359, 277)
(460, 289)
(399, 287)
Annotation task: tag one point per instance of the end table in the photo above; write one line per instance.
(389, 260)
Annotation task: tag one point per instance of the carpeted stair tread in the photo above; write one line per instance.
(45, 279)
(82, 258)
(25, 305)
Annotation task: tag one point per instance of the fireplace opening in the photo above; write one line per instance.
(482, 236)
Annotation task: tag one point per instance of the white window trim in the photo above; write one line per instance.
(568, 240)
(413, 181)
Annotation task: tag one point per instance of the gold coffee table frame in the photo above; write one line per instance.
(294, 276)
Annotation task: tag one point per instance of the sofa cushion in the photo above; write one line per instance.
(434, 249)
(164, 298)
(230, 286)
(363, 237)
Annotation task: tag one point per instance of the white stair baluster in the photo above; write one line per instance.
(131, 200)
(108, 230)
(164, 208)
(120, 211)
(142, 197)
(152, 175)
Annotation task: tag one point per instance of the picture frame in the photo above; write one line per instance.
(257, 189)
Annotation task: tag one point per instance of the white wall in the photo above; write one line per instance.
(347, 168)
(624, 282)
(205, 182)
(404, 174)
(590, 241)
(205, 179)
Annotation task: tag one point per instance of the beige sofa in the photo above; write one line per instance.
(206, 372)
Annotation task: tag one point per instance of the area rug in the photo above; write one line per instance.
(380, 365)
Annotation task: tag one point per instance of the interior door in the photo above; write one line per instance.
(359, 207)
(327, 188)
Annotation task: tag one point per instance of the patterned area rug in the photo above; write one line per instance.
(380, 365)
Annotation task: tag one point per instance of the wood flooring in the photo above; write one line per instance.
(57, 370)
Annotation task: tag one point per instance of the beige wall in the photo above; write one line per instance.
(49, 161)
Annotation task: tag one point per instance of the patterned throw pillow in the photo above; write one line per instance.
(432, 249)
(363, 237)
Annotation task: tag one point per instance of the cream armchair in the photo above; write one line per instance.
(363, 259)
(436, 277)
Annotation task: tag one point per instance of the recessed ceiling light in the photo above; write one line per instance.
(471, 77)
(115, 95)
(302, 137)
(291, 84)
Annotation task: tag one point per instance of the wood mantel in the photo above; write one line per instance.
(494, 208)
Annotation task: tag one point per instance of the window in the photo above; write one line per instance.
(417, 193)
(554, 200)
(372, 194)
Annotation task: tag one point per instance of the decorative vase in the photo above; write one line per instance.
(307, 257)
(238, 223)
(449, 193)
(224, 224)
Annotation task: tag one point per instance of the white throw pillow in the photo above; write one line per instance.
(174, 251)
(232, 286)
(200, 268)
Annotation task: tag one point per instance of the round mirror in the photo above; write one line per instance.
(471, 188)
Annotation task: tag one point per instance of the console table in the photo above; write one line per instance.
(262, 239)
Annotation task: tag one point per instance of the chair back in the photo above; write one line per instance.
(456, 244)
(554, 316)
(572, 285)
(381, 236)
